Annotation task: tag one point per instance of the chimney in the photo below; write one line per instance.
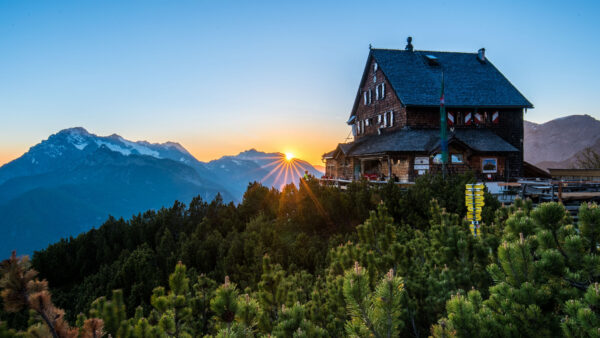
(409, 46)
(481, 55)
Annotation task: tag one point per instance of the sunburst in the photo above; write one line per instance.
(284, 167)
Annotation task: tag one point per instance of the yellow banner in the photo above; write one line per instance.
(470, 216)
(475, 186)
(477, 204)
(477, 209)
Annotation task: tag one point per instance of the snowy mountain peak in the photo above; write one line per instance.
(176, 145)
(74, 131)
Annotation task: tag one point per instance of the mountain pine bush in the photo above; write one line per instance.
(388, 271)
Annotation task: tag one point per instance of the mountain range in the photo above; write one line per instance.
(558, 143)
(74, 180)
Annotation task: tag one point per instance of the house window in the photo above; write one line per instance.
(457, 158)
(368, 96)
(367, 122)
(380, 91)
(454, 158)
(388, 119)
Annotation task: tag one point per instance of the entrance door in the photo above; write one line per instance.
(357, 171)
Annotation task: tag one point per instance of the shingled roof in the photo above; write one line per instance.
(423, 141)
(468, 82)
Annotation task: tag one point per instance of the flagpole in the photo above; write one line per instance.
(443, 127)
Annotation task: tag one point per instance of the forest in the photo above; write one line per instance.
(314, 261)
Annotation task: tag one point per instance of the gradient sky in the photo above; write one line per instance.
(221, 77)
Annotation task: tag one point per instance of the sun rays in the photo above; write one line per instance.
(284, 169)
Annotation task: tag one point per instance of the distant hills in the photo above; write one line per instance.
(74, 180)
(558, 143)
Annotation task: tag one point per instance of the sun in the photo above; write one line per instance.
(289, 156)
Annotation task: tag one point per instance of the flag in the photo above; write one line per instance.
(468, 119)
(443, 126)
(478, 118)
(450, 119)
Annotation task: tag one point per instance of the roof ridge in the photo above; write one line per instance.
(425, 51)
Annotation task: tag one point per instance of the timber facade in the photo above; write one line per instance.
(395, 119)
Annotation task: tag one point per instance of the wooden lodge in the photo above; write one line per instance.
(395, 119)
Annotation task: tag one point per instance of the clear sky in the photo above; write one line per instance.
(221, 77)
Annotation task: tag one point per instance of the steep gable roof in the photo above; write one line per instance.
(467, 81)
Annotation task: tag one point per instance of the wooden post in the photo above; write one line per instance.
(560, 191)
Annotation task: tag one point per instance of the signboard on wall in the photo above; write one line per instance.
(421, 163)
(489, 165)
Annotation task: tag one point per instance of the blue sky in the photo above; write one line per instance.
(222, 76)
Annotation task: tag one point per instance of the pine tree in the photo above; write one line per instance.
(20, 290)
(112, 312)
(293, 322)
(540, 277)
(173, 309)
(582, 317)
(271, 293)
(203, 291)
(225, 306)
(377, 313)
